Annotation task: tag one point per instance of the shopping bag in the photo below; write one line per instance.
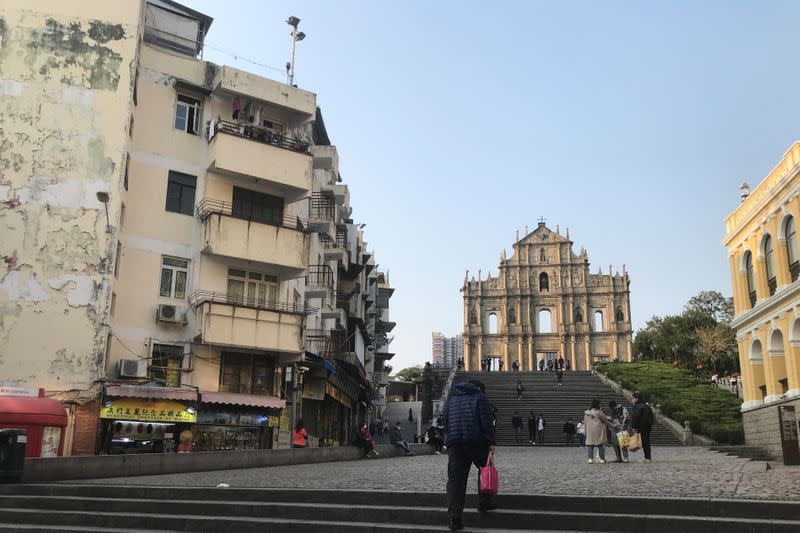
(635, 442)
(623, 439)
(490, 481)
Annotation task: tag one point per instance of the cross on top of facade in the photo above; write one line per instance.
(542, 220)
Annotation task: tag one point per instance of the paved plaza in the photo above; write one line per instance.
(678, 471)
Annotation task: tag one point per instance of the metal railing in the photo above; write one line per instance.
(200, 297)
(210, 207)
(322, 207)
(320, 275)
(343, 298)
(319, 343)
(341, 238)
(259, 134)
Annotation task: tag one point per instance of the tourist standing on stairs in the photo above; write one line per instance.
(596, 424)
(515, 367)
(541, 425)
(619, 422)
(500, 365)
(520, 389)
(516, 422)
(560, 363)
(560, 377)
(541, 365)
(642, 421)
(469, 437)
(532, 428)
(566, 364)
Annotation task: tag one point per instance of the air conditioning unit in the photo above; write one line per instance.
(170, 313)
(133, 368)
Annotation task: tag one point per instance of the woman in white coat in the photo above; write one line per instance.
(596, 423)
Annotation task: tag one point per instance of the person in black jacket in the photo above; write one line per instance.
(470, 438)
(516, 421)
(396, 438)
(532, 428)
(642, 421)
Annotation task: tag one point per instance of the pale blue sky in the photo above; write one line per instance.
(631, 123)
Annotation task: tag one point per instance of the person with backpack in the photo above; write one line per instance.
(642, 420)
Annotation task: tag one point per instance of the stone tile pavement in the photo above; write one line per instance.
(678, 471)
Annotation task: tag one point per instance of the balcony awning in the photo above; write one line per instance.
(250, 400)
(317, 360)
(144, 391)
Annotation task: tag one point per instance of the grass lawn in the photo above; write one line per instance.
(711, 411)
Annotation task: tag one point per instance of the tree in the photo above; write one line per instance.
(712, 304)
(716, 345)
(410, 374)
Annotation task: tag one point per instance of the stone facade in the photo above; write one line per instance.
(761, 427)
(545, 304)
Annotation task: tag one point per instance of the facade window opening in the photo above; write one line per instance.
(751, 286)
(769, 256)
(180, 193)
(256, 206)
(187, 114)
(252, 288)
(174, 276)
(545, 321)
(165, 367)
(544, 282)
(246, 374)
(598, 321)
(791, 249)
(492, 323)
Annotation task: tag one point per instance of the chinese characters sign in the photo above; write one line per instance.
(147, 410)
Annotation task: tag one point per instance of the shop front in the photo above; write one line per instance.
(43, 419)
(330, 399)
(236, 422)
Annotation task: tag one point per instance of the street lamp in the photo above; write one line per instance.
(296, 36)
(103, 197)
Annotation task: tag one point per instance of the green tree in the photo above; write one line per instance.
(713, 304)
(410, 374)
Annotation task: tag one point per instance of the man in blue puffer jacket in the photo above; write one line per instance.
(469, 436)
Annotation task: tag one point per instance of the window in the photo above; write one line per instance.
(274, 127)
(165, 368)
(252, 288)
(174, 273)
(127, 170)
(180, 193)
(135, 87)
(113, 303)
(246, 374)
(122, 216)
(545, 321)
(769, 256)
(260, 207)
(598, 321)
(130, 127)
(492, 323)
(791, 248)
(544, 282)
(751, 286)
(187, 114)
(117, 259)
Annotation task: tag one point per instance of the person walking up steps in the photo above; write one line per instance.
(520, 389)
(595, 423)
(469, 437)
(642, 421)
(560, 377)
(516, 423)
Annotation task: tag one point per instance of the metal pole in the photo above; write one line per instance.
(294, 44)
(293, 420)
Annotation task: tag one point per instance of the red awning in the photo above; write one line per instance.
(32, 411)
(232, 398)
(160, 393)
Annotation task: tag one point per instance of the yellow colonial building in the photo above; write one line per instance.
(761, 237)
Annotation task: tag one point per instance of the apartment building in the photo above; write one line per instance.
(446, 351)
(238, 287)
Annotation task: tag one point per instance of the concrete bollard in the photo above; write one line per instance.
(688, 436)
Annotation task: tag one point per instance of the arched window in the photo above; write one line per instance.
(544, 282)
(545, 321)
(751, 286)
(775, 343)
(791, 248)
(598, 321)
(619, 316)
(578, 315)
(769, 256)
(492, 323)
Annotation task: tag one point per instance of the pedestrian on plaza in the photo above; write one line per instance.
(581, 434)
(541, 425)
(362, 439)
(520, 389)
(561, 363)
(541, 365)
(620, 421)
(560, 377)
(566, 365)
(494, 416)
(299, 435)
(596, 424)
(365, 433)
(532, 428)
(514, 366)
(410, 415)
(549, 365)
(642, 420)
(396, 438)
(435, 439)
(500, 365)
(516, 422)
(569, 432)
(469, 437)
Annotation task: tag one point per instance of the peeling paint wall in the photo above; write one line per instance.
(65, 101)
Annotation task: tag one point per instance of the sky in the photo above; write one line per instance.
(457, 123)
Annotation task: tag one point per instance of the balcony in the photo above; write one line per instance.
(322, 215)
(380, 378)
(319, 343)
(337, 249)
(295, 101)
(225, 235)
(227, 320)
(252, 151)
(319, 281)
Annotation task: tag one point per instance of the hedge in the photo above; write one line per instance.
(711, 411)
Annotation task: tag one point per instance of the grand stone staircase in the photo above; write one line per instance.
(558, 404)
(117, 508)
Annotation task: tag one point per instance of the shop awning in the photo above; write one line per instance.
(25, 410)
(232, 398)
(158, 393)
(314, 358)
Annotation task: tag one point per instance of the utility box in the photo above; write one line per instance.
(12, 454)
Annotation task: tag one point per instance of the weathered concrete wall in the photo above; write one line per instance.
(762, 428)
(65, 97)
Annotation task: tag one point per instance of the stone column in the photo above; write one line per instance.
(467, 355)
(629, 347)
(760, 273)
(563, 346)
(588, 354)
(506, 365)
(480, 353)
(616, 347)
(793, 366)
(520, 360)
(781, 260)
(572, 352)
(532, 358)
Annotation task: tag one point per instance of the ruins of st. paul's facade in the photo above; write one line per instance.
(544, 304)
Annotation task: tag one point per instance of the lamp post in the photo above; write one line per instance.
(103, 197)
(296, 36)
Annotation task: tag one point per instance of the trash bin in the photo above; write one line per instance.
(12, 453)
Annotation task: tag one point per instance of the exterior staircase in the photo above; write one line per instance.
(557, 404)
(398, 412)
(47, 508)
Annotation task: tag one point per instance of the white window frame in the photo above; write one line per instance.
(174, 270)
(187, 106)
(253, 281)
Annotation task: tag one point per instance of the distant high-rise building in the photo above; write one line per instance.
(446, 351)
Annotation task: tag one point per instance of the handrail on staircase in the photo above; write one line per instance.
(446, 393)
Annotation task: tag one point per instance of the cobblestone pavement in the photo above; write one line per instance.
(678, 471)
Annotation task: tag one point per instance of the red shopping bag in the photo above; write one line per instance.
(490, 480)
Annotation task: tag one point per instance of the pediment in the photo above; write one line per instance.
(542, 235)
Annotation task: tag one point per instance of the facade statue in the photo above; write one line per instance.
(578, 314)
(512, 315)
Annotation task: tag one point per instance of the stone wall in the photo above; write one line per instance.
(761, 427)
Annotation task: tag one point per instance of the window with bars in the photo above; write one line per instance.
(246, 374)
(174, 277)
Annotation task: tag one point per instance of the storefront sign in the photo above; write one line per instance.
(148, 410)
(789, 436)
(21, 391)
(337, 395)
(51, 439)
(274, 421)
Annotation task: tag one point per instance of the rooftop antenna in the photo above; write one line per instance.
(296, 36)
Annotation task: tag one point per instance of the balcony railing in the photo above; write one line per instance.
(322, 207)
(794, 270)
(320, 275)
(259, 134)
(209, 207)
(341, 238)
(343, 298)
(319, 343)
(200, 297)
(772, 283)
